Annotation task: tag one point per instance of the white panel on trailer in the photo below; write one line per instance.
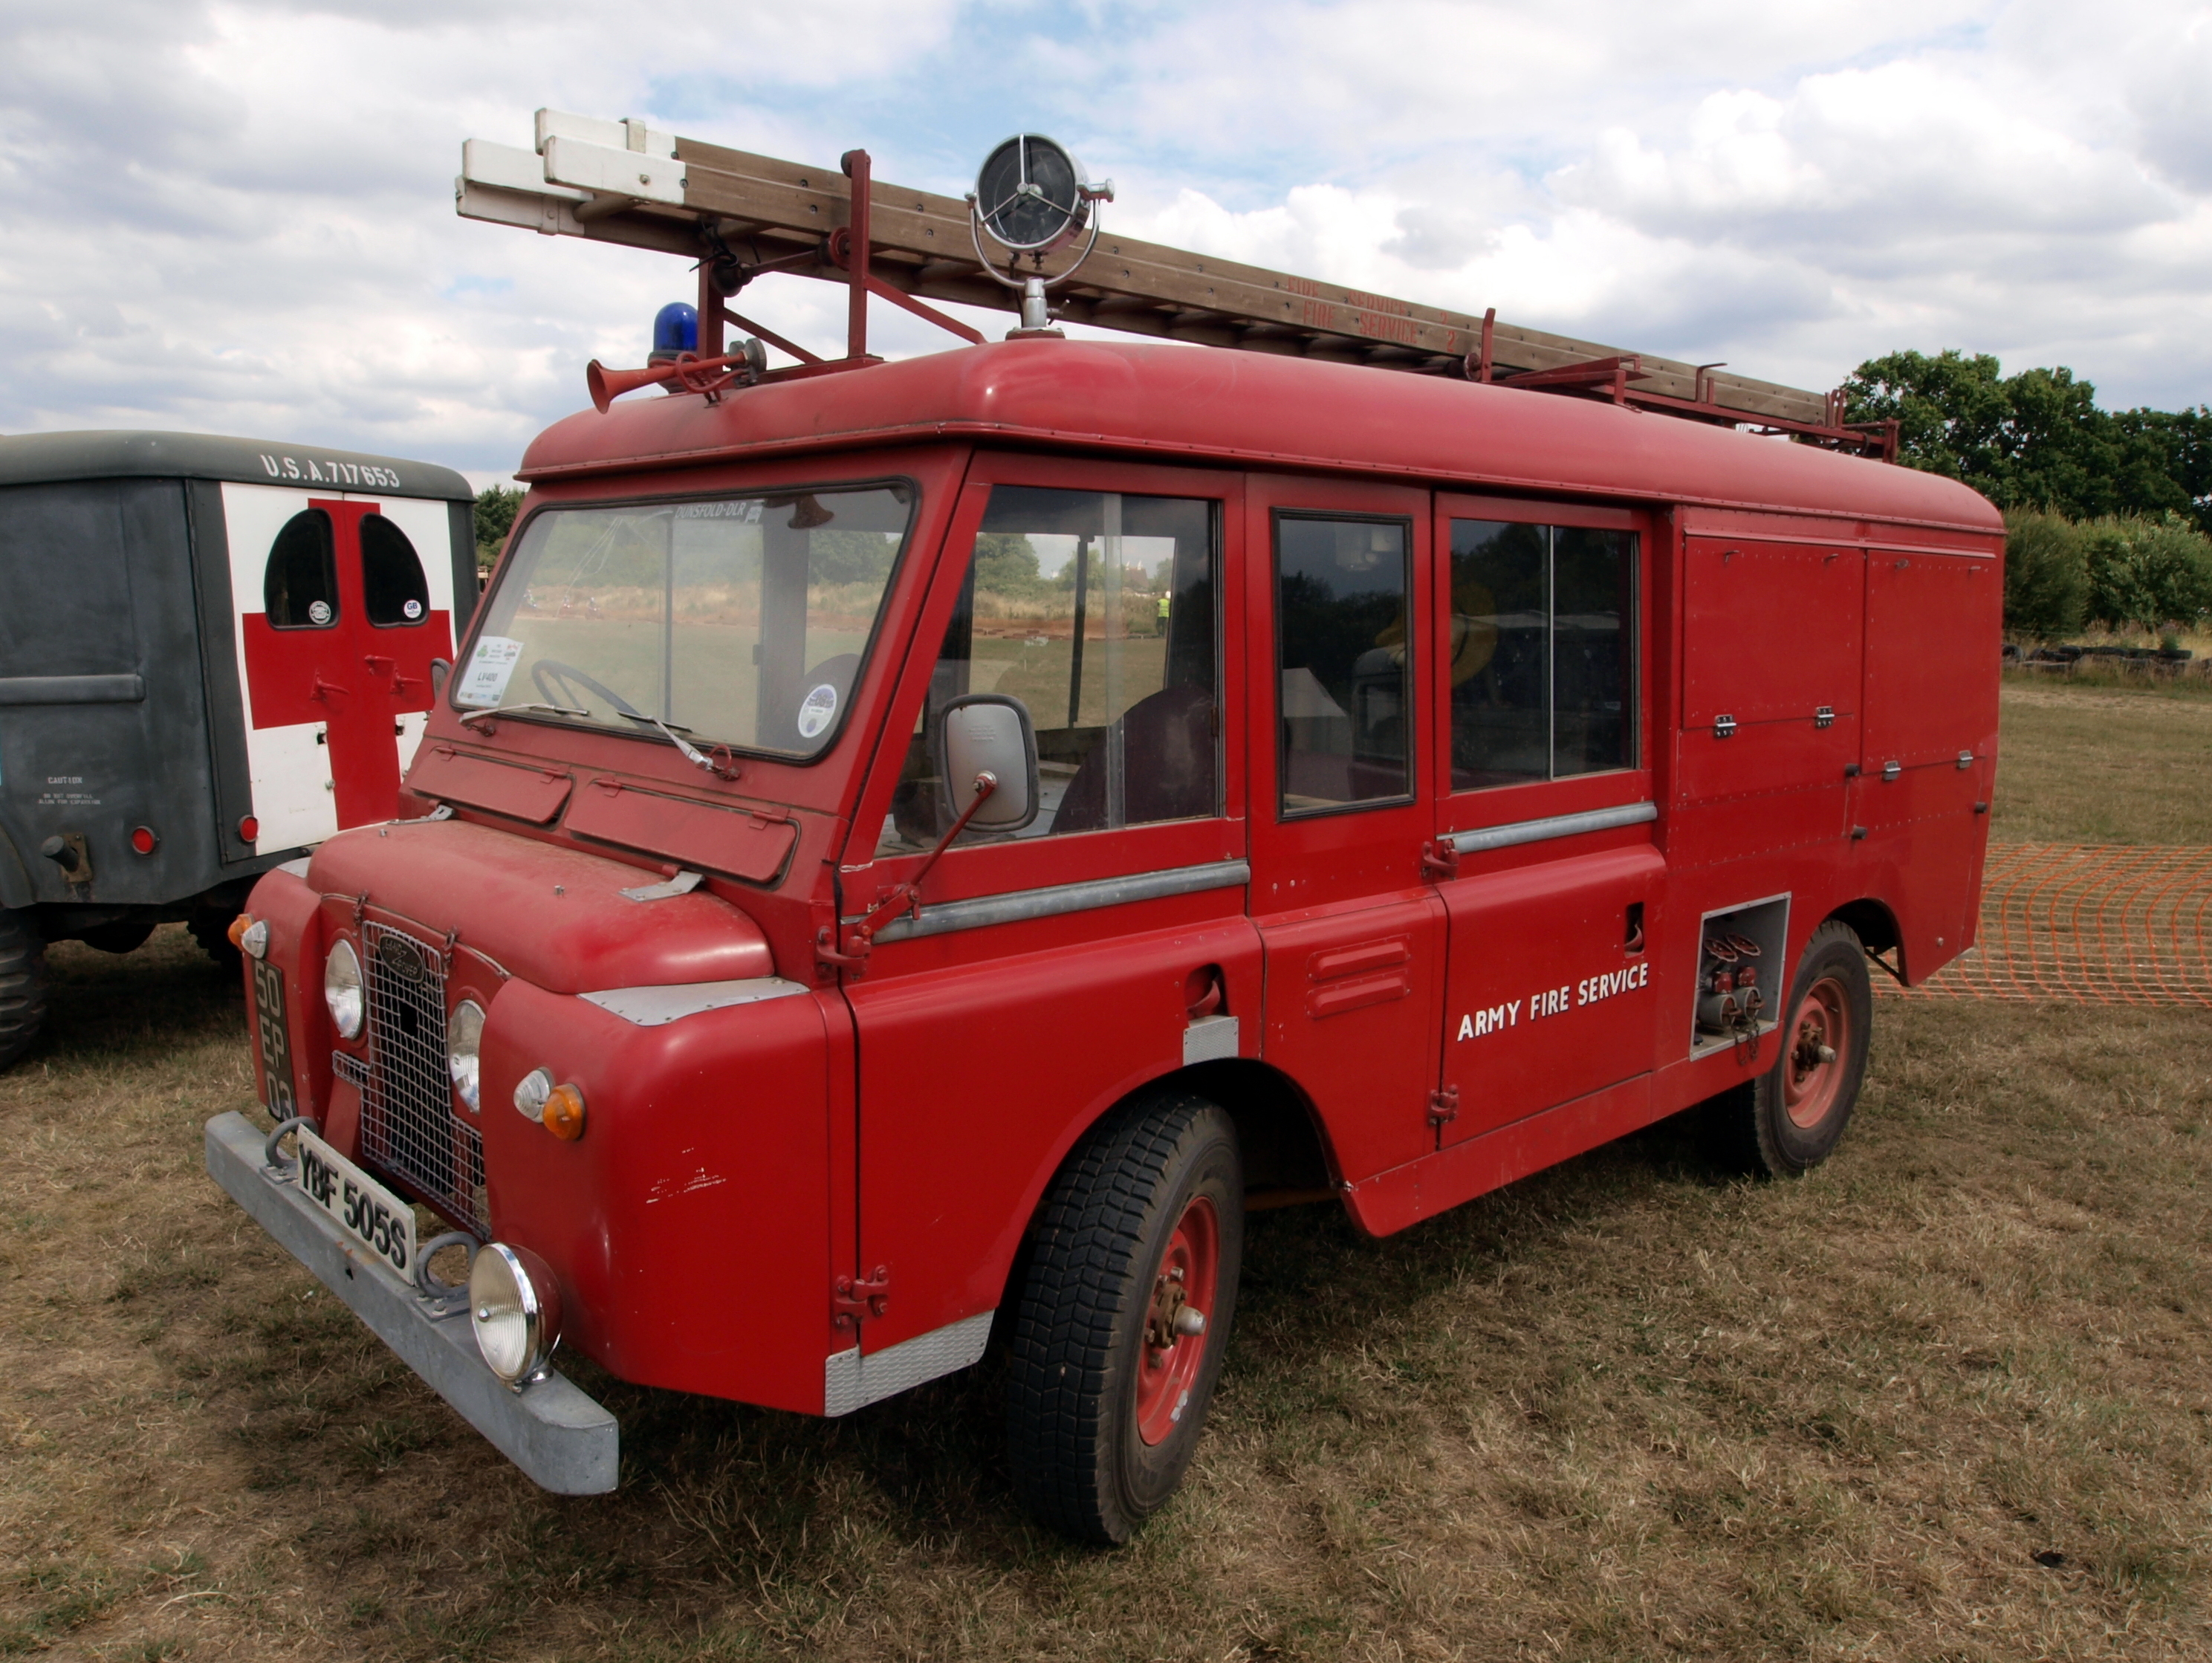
(428, 528)
(288, 766)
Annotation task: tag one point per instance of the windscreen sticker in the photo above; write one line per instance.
(318, 612)
(489, 665)
(413, 608)
(818, 710)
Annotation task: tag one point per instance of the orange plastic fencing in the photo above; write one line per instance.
(2088, 924)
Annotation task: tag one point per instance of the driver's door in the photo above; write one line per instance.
(1051, 970)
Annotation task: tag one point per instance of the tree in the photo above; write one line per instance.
(496, 507)
(2155, 574)
(2036, 440)
(2046, 577)
(1006, 564)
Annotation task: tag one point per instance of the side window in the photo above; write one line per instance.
(1098, 610)
(299, 587)
(1342, 590)
(1543, 652)
(394, 590)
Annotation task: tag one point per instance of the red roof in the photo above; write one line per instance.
(1255, 410)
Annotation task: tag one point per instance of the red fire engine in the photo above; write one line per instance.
(914, 849)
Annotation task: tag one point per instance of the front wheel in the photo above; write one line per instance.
(1124, 1316)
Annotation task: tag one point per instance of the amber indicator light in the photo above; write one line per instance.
(564, 1113)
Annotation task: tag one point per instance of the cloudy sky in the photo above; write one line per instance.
(237, 217)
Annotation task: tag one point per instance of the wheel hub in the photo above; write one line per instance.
(1173, 1345)
(1812, 1080)
(1168, 1302)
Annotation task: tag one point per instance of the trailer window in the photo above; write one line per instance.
(1342, 594)
(395, 591)
(1542, 646)
(739, 621)
(1096, 611)
(299, 585)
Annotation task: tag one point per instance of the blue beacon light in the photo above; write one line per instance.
(675, 329)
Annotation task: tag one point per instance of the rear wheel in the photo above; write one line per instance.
(23, 986)
(1791, 1118)
(1124, 1315)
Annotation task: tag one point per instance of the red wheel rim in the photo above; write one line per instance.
(1185, 1281)
(1820, 1052)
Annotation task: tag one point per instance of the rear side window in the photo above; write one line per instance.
(1542, 652)
(395, 591)
(300, 589)
(1343, 596)
(1098, 610)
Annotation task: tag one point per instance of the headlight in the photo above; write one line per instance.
(464, 1039)
(341, 990)
(515, 1306)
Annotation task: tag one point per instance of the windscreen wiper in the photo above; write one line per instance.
(692, 754)
(516, 710)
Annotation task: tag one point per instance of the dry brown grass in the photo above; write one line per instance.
(2082, 764)
(1626, 1409)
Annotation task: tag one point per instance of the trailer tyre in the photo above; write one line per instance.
(211, 928)
(1789, 1120)
(23, 986)
(1123, 1316)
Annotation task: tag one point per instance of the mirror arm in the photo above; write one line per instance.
(906, 898)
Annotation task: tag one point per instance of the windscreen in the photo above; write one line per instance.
(739, 621)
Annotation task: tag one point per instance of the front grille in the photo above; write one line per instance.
(409, 1126)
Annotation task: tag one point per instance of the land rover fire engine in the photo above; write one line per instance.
(841, 912)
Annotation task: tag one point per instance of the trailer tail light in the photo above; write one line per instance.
(144, 840)
(249, 830)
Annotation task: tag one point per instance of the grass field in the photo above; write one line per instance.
(1946, 1398)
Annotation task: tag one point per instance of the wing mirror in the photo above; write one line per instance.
(989, 733)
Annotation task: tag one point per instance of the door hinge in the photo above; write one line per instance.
(858, 1298)
(1440, 860)
(1443, 1105)
(844, 950)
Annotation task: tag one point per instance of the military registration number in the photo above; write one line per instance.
(363, 1207)
(273, 1040)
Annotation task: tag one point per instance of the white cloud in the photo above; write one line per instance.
(235, 214)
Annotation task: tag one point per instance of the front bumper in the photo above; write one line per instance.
(561, 1439)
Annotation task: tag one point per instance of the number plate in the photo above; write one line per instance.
(364, 1209)
(274, 1040)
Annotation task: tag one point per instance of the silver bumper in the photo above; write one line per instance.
(560, 1438)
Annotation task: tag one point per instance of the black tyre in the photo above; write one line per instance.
(1789, 1119)
(211, 928)
(125, 935)
(23, 986)
(1123, 1316)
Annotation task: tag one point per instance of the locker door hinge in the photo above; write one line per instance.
(1443, 1105)
(858, 1298)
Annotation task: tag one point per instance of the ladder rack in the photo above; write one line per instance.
(742, 215)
